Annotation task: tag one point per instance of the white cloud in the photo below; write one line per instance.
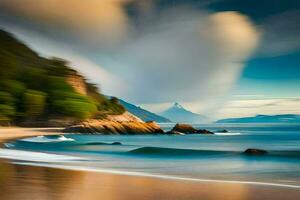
(184, 55)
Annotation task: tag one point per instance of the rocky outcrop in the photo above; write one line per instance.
(125, 124)
(107, 127)
(128, 124)
(204, 131)
(77, 83)
(255, 152)
(184, 128)
(125, 117)
(188, 129)
(174, 133)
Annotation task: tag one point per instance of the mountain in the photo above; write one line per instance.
(35, 88)
(178, 113)
(145, 115)
(288, 118)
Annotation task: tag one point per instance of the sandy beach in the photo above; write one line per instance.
(41, 183)
(21, 182)
(11, 133)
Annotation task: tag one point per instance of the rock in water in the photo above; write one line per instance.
(184, 128)
(222, 131)
(204, 131)
(174, 133)
(187, 129)
(255, 152)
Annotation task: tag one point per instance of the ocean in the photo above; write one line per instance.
(216, 157)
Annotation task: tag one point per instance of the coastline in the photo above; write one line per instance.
(92, 184)
(12, 133)
(54, 183)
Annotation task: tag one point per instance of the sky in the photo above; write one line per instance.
(219, 58)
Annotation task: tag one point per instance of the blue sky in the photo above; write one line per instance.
(221, 58)
(272, 76)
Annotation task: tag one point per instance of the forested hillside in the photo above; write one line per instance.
(37, 88)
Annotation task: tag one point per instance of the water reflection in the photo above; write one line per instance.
(30, 183)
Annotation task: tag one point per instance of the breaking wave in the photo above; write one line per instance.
(45, 139)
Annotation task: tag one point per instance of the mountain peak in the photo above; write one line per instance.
(177, 105)
(145, 115)
(177, 113)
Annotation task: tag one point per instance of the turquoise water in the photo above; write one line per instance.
(190, 156)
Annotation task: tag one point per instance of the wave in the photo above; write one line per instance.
(101, 143)
(35, 156)
(158, 151)
(169, 152)
(227, 134)
(46, 139)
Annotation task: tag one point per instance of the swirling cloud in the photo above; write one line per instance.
(180, 54)
(92, 19)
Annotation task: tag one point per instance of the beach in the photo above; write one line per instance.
(29, 183)
(11, 133)
(21, 180)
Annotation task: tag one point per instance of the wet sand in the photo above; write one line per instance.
(18, 182)
(11, 133)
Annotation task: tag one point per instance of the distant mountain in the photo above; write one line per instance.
(145, 115)
(178, 113)
(288, 118)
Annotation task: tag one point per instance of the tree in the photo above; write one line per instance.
(8, 65)
(6, 98)
(114, 100)
(32, 86)
(75, 108)
(34, 103)
(6, 113)
(13, 87)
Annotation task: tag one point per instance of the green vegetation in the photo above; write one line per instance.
(34, 103)
(37, 88)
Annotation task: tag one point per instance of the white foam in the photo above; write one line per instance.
(42, 139)
(8, 145)
(168, 177)
(227, 134)
(35, 156)
(63, 138)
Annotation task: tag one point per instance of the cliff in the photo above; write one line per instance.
(106, 127)
(125, 117)
(77, 83)
(126, 123)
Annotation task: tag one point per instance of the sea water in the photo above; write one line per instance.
(213, 157)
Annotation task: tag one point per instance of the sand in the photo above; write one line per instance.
(21, 182)
(11, 133)
(18, 182)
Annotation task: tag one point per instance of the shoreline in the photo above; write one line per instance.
(159, 176)
(12, 133)
(127, 185)
(55, 183)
